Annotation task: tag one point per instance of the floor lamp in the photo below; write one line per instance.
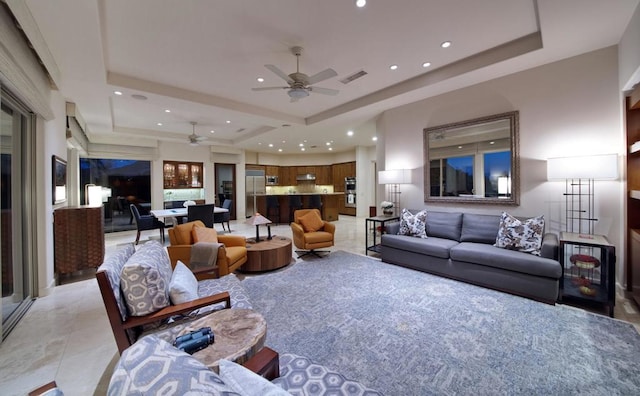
(394, 178)
(579, 175)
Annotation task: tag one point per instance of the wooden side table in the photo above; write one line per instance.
(238, 333)
(588, 270)
(268, 255)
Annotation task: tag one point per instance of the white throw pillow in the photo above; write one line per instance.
(413, 225)
(524, 236)
(184, 285)
(246, 382)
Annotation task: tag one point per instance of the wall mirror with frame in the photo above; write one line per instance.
(473, 161)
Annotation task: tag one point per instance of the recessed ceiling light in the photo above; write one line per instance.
(393, 67)
(330, 148)
(117, 93)
(270, 144)
(459, 147)
(301, 145)
(260, 144)
(361, 3)
(328, 143)
(446, 44)
(260, 79)
(159, 124)
(228, 122)
(212, 131)
(302, 149)
(492, 142)
(426, 64)
(375, 138)
(280, 150)
(349, 133)
(284, 141)
(167, 111)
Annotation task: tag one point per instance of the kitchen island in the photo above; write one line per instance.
(329, 210)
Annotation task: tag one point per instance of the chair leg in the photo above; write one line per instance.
(138, 237)
(228, 226)
(302, 253)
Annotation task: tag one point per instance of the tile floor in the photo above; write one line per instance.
(66, 336)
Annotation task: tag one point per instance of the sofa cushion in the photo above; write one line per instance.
(523, 236)
(311, 222)
(444, 225)
(300, 376)
(113, 265)
(182, 233)
(479, 228)
(184, 285)
(145, 280)
(413, 224)
(491, 256)
(152, 366)
(204, 234)
(246, 382)
(436, 247)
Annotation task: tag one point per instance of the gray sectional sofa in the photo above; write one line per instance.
(460, 246)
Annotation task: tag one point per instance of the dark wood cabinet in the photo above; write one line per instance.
(178, 174)
(78, 238)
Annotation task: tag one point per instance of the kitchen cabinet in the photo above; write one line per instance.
(272, 170)
(323, 175)
(178, 174)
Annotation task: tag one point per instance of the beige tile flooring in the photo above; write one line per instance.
(66, 336)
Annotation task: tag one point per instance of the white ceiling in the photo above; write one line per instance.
(200, 59)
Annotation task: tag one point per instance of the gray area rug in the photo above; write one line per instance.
(404, 332)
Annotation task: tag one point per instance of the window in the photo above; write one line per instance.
(124, 182)
(452, 177)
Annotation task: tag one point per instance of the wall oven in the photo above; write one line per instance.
(350, 192)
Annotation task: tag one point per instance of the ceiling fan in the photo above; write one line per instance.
(300, 85)
(194, 139)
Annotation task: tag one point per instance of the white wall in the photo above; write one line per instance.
(629, 53)
(567, 108)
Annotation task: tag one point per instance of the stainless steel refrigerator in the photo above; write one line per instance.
(255, 184)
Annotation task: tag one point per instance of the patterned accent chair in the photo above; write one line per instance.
(310, 232)
(137, 372)
(137, 288)
(231, 256)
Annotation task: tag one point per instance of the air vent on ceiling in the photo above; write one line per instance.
(240, 130)
(354, 76)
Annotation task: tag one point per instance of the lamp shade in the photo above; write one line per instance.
(258, 219)
(395, 176)
(597, 167)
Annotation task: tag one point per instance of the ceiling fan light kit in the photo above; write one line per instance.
(194, 139)
(300, 85)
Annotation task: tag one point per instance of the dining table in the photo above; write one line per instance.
(178, 213)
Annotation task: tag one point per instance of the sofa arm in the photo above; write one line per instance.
(550, 246)
(232, 240)
(265, 363)
(172, 310)
(329, 227)
(392, 228)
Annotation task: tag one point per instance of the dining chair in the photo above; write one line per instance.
(204, 213)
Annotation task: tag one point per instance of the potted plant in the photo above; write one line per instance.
(387, 208)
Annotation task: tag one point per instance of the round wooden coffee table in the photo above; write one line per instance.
(238, 333)
(268, 255)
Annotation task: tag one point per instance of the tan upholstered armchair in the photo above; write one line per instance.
(230, 256)
(310, 232)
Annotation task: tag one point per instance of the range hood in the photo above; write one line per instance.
(306, 176)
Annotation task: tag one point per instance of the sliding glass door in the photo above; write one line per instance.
(17, 275)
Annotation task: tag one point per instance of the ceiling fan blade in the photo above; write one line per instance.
(324, 91)
(280, 73)
(323, 75)
(268, 88)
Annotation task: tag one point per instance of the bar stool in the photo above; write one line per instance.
(295, 203)
(315, 202)
(273, 206)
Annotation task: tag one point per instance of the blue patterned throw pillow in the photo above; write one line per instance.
(523, 236)
(413, 225)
